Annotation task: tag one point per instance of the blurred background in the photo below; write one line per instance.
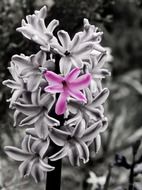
(121, 22)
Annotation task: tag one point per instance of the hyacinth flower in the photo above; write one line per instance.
(17, 85)
(45, 133)
(93, 111)
(29, 155)
(35, 29)
(29, 68)
(38, 110)
(76, 145)
(57, 95)
(72, 51)
(91, 34)
(67, 86)
(94, 66)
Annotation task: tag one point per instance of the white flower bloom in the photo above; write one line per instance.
(78, 119)
(17, 85)
(96, 181)
(34, 29)
(94, 66)
(30, 156)
(30, 68)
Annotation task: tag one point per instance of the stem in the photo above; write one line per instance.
(106, 186)
(53, 179)
(131, 176)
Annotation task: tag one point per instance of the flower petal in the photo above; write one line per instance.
(37, 173)
(38, 59)
(61, 104)
(74, 120)
(33, 82)
(27, 109)
(75, 42)
(77, 95)
(45, 167)
(64, 39)
(79, 129)
(52, 25)
(60, 154)
(100, 98)
(59, 137)
(72, 75)
(65, 65)
(32, 132)
(97, 143)
(29, 120)
(73, 155)
(16, 153)
(16, 94)
(92, 131)
(83, 151)
(44, 148)
(47, 100)
(26, 166)
(11, 84)
(41, 128)
(54, 88)
(26, 144)
(76, 61)
(42, 13)
(16, 117)
(83, 49)
(40, 147)
(81, 82)
(51, 121)
(52, 77)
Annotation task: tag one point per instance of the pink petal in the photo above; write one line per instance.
(78, 95)
(61, 104)
(54, 88)
(52, 77)
(81, 82)
(72, 75)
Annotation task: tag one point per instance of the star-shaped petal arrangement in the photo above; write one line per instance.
(67, 86)
(30, 68)
(72, 51)
(76, 145)
(91, 111)
(32, 163)
(37, 110)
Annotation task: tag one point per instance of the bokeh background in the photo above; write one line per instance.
(121, 22)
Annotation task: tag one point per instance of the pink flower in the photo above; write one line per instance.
(70, 85)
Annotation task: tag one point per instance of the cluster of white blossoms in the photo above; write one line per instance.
(62, 80)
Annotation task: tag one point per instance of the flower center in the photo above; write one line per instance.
(67, 53)
(64, 83)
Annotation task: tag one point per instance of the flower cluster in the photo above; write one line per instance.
(63, 79)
